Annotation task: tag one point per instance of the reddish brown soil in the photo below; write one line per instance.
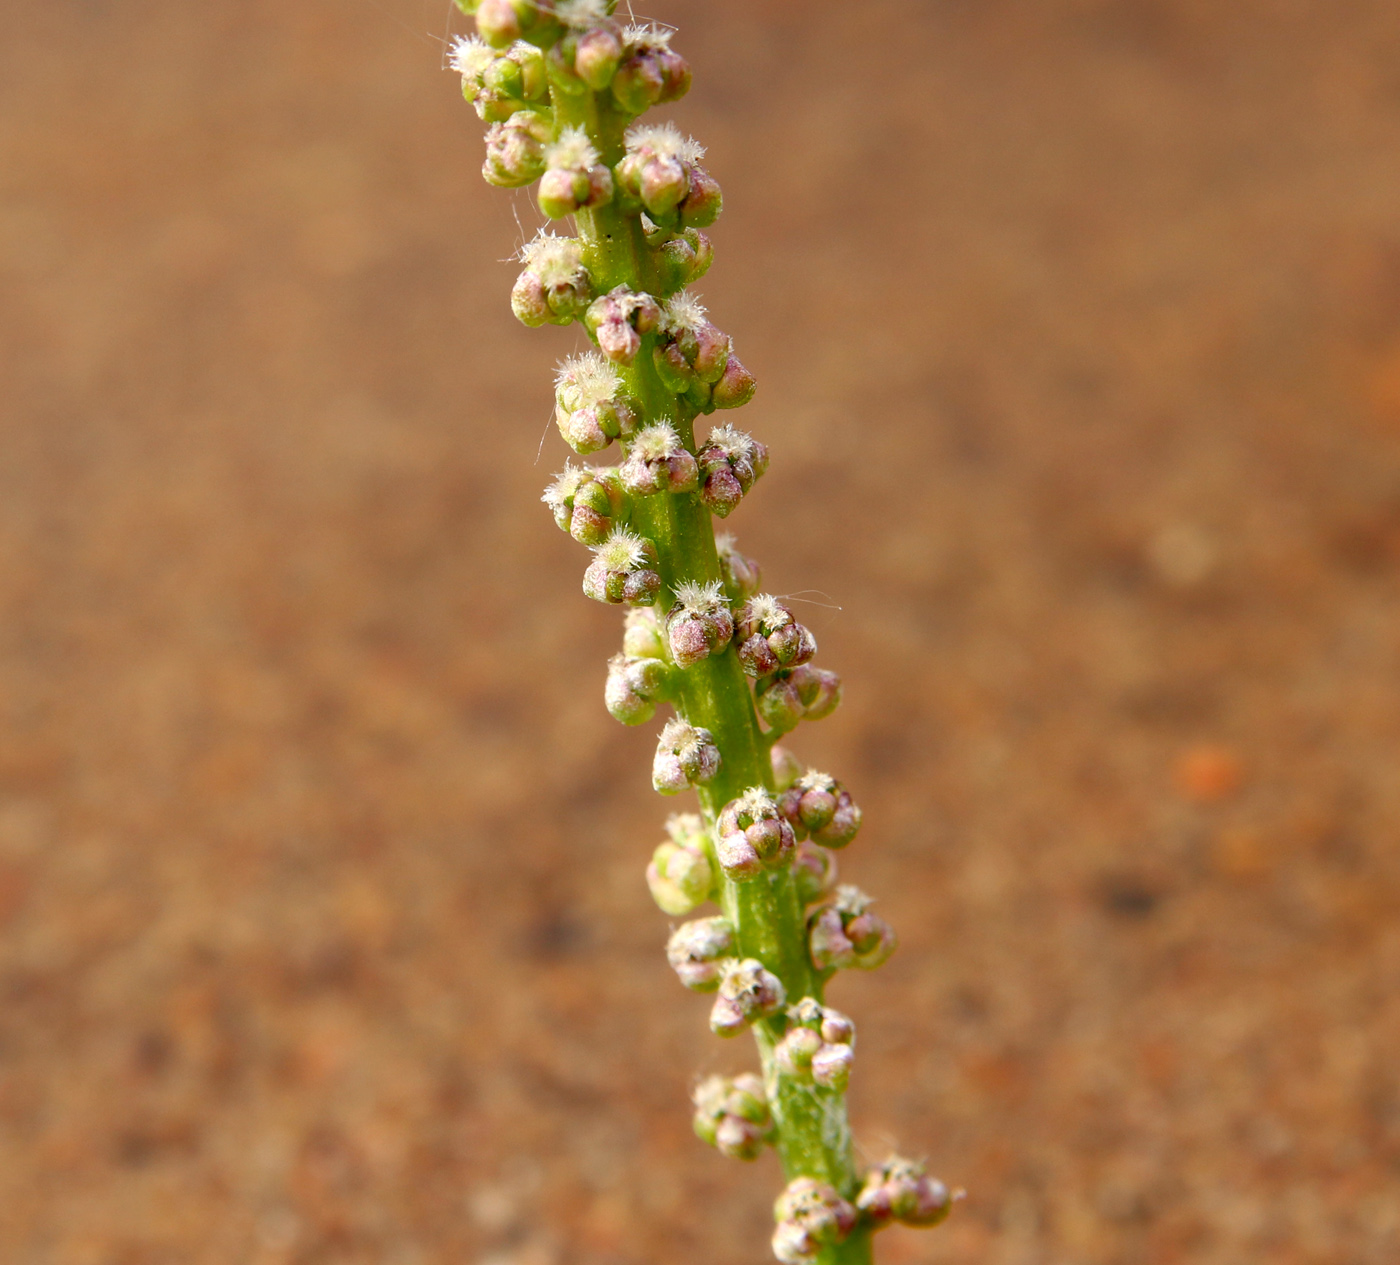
(1077, 324)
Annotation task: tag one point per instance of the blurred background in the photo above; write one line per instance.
(323, 934)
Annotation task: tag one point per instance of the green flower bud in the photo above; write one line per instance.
(586, 502)
(813, 871)
(700, 951)
(554, 286)
(811, 1216)
(641, 635)
(703, 201)
(634, 687)
(818, 1046)
(769, 636)
(623, 570)
(735, 386)
(680, 875)
(787, 768)
(742, 575)
(684, 258)
(619, 319)
(650, 73)
(515, 149)
(753, 836)
(591, 409)
(496, 85)
(820, 806)
(574, 178)
(899, 1190)
(746, 992)
(685, 757)
(657, 461)
(733, 1116)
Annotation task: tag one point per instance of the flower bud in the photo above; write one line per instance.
(554, 285)
(730, 463)
(793, 694)
(684, 258)
(634, 687)
(497, 86)
(590, 407)
(586, 502)
(588, 54)
(699, 624)
(899, 1190)
(769, 636)
(650, 72)
(501, 22)
(661, 171)
(618, 320)
(818, 1045)
(641, 635)
(515, 149)
(820, 806)
(680, 877)
(742, 575)
(753, 836)
(574, 178)
(844, 933)
(657, 461)
(746, 992)
(735, 386)
(814, 872)
(623, 570)
(818, 689)
(691, 353)
(685, 756)
(733, 1115)
(811, 1215)
(703, 200)
(700, 951)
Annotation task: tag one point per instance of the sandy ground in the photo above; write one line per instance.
(324, 935)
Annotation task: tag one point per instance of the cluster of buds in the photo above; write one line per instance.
(554, 287)
(683, 257)
(818, 1046)
(650, 73)
(515, 149)
(899, 1190)
(586, 502)
(730, 464)
(641, 635)
(818, 805)
(742, 574)
(590, 407)
(694, 359)
(661, 171)
(680, 875)
(502, 22)
(844, 933)
(623, 570)
(657, 461)
(619, 319)
(813, 871)
(810, 1216)
(770, 637)
(753, 836)
(791, 695)
(747, 992)
(573, 179)
(499, 84)
(699, 624)
(732, 1115)
(635, 685)
(699, 952)
(590, 50)
(685, 757)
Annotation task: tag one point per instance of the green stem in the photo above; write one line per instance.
(814, 1138)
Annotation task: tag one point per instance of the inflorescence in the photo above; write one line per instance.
(561, 85)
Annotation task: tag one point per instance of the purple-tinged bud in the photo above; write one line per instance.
(796, 1050)
(787, 768)
(597, 56)
(691, 353)
(634, 687)
(574, 178)
(818, 1045)
(618, 320)
(899, 1190)
(680, 875)
(641, 635)
(699, 624)
(753, 837)
(684, 258)
(554, 286)
(778, 702)
(700, 952)
(730, 463)
(623, 570)
(820, 806)
(742, 575)
(732, 1115)
(497, 86)
(769, 636)
(501, 22)
(746, 992)
(650, 73)
(515, 149)
(658, 169)
(811, 1216)
(685, 757)
(586, 502)
(845, 933)
(703, 200)
(814, 872)
(590, 407)
(658, 462)
(735, 386)
(818, 689)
